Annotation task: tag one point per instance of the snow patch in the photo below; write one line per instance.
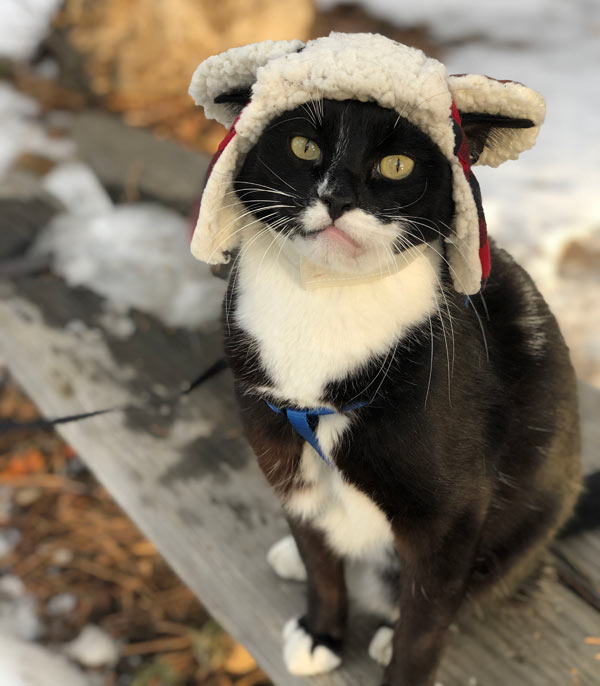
(136, 255)
(93, 648)
(23, 25)
(18, 615)
(9, 540)
(21, 132)
(78, 189)
(16, 110)
(61, 604)
(513, 21)
(28, 664)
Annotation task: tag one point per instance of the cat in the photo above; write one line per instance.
(445, 453)
(464, 460)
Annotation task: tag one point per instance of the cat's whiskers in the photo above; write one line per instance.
(481, 296)
(311, 114)
(285, 121)
(285, 236)
(253, 184)
(273, 226)
(426, 224)
(396, 207)
(228, 302)
(470, 301)
(266, 166)
(261, 232)
(430, 361)
(450, 319)
(228, 235)
(391, 354)
(432, 227)
(450, 366)
(314, 109)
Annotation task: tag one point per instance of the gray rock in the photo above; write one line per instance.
(25, 207)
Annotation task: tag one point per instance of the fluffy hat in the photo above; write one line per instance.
(245, 88)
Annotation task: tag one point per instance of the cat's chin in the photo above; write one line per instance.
(337, 252)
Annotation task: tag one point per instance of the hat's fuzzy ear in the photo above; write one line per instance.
(500, 118)
(222, 84)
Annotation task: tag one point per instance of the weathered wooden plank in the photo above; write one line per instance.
(189, 481)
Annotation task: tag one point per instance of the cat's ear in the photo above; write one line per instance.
(222, 84)
(500, 118)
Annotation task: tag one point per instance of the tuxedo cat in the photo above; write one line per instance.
(445, 454)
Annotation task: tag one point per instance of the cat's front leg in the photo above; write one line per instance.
(312, 644)
(433, 587)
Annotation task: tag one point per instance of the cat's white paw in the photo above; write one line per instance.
(285, 560)
(380, 648)
(299, 655)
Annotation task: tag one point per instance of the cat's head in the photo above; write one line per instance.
(348, 184)
(352, 147)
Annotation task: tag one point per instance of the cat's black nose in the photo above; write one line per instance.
(338, 204)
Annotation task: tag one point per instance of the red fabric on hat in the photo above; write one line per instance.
(465, 161)
(222, 145)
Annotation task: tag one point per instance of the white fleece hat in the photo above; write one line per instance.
(282, 75)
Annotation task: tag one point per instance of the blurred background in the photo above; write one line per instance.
(101, 144)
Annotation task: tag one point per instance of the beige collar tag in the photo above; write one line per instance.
(313, 277)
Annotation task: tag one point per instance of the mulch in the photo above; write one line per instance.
(75, 539)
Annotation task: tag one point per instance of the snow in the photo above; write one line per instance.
(512, 21)
(18, 616)
(23, 24)
(136, 255)
(15, 111)
(78, 189)
(9, 540)
(93, 647)
(28, 664)
(20, 130)
(61, 604)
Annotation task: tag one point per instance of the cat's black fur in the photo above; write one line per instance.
(475, 472)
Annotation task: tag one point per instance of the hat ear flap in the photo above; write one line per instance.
(501, 119)
(222, 84)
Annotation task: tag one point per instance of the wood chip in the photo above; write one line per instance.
(158, 645)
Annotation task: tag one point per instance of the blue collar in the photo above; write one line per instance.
(305, 422)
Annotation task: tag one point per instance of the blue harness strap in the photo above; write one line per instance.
(305, 421)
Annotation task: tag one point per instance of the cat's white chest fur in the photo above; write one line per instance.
(353, 525)
(309, 338)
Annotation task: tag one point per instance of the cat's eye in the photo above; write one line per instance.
(395, 167)
(304, 148)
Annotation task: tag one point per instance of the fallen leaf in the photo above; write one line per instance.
(239, 661)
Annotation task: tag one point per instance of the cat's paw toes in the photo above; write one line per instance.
(285, 560)
(305, 655)
(380, 648)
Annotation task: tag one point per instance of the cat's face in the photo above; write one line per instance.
(348, 184)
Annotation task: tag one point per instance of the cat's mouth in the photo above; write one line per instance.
(355, 242)
(337, 236)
